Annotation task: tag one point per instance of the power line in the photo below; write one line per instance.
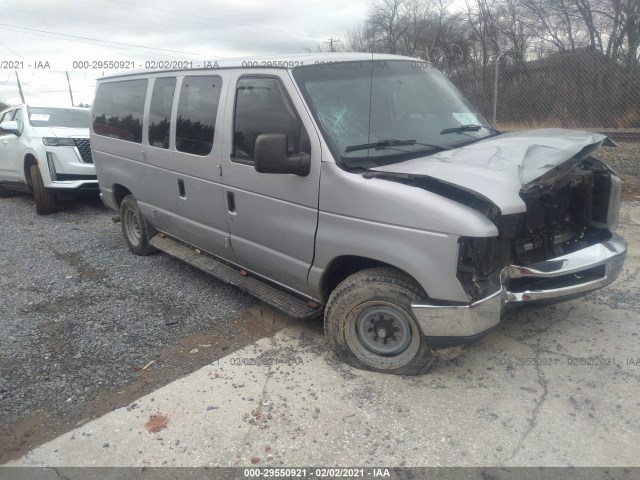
(230, 22)
(96, 39)
(121, 26)
(89, 43)
(15, 53)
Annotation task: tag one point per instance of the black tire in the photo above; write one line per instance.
(379, 298)
(45, 199)
(136, 230)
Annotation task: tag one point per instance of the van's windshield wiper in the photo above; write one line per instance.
(471, 127)
(391, 143)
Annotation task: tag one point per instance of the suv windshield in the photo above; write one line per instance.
(380, 112)
(58, 117)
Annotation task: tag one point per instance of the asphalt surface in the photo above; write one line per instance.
(81, 318)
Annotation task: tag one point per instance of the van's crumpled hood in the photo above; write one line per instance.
(498, 168)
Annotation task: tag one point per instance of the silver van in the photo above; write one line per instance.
(362, 187)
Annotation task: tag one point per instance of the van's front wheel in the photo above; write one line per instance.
(369, 323)
(136, 230)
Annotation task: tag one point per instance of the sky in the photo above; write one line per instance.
(61, 35)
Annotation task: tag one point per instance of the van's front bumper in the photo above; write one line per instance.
(553, 280)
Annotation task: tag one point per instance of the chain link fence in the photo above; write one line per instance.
(50, 88)
(574, 89)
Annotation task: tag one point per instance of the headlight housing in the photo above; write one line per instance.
(58, 142)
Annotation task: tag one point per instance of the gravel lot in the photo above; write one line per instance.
(81, 316)
(625, 160)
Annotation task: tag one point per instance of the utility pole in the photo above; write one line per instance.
(330, 42)
(20, 87)
(70, 92)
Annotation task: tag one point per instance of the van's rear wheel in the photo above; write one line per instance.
(369, 323)
(136, 230)
(45, 199)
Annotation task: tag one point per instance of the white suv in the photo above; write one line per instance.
(45, 150)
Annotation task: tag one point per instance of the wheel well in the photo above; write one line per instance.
(119, 192)
(29, 161)
(342, 267)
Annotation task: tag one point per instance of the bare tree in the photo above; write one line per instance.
(387, 23)
(521, 30)
(624, 37)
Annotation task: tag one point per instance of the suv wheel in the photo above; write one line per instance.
(369, 323)
(136, 230)
(45, 199)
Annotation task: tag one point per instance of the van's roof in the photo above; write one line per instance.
(270, 61)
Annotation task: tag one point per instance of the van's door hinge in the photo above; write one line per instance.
(220, 169)
(227, 242)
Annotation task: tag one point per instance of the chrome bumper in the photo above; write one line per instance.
(574, 274)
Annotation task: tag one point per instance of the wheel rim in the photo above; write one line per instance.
(386, 316)
(132, 227)
(383, 330)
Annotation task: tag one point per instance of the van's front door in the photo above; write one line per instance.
(272, 218)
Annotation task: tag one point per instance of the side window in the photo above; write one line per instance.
(118, 109)
(262, 107)
(18, 117)
(197, 110)
(160, 111)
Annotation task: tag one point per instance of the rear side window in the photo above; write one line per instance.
(262, 107)
(118, 109)
(160, 111)
(197, 110)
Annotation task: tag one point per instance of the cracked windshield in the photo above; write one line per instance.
(390, 110)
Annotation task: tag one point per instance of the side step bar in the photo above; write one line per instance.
(291, 305)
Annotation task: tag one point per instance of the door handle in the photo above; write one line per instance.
(5, 143)
(181, 190)
(231, 202)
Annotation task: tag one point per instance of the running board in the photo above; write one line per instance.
(291, 305)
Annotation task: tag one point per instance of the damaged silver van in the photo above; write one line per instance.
(362, 187)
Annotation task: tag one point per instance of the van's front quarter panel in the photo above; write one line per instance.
(429, 257)
(406, 227)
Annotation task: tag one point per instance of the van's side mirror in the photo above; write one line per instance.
(270, 156)
(10, 126)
